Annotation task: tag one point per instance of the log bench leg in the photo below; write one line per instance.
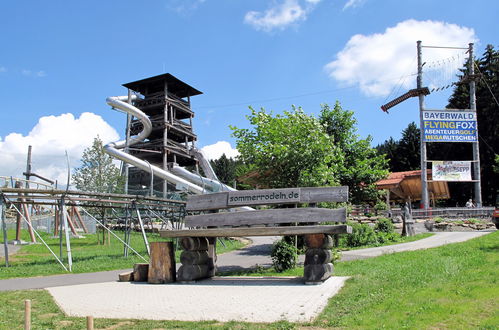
(318, 266)
(197, 262)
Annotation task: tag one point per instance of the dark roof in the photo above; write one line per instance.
(156, 84)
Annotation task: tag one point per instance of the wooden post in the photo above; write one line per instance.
(78, 216)
(4, 231)
(28, 220)
(162, 263)
(90, 323)
(318, 266)
(56, 221)
(18, 216)
(27, 314)
(71, 224)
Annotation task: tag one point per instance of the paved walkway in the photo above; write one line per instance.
(258, 253)
(252, 299)
(439, 239)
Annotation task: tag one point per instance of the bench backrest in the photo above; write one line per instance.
(231, 199)
(225, 200)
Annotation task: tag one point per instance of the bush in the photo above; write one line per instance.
(284, 256)
(438, 219)
(384, 225)
(362, 234)
(383, 237)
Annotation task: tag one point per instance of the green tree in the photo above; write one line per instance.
(296, 149)
(487, 87)
(97, 172)
(287, 150)
(404, 154)
(225, 169)
(360, 165)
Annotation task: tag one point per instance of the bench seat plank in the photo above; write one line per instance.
(263, 217)
(258, 231)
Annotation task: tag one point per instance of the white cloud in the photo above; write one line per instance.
(375, 62)
(353, 4)
(50, 138)
(215, 151)
(280, 15)
(184, 7)
(30, 73)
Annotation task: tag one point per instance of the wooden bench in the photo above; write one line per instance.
(199, 256)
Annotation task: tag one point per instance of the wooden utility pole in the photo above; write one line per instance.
(424, 178)
(476, 150)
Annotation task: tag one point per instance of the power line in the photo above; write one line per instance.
(295, 96)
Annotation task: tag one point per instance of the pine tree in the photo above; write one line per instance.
(487, 96)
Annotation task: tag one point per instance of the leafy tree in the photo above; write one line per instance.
(287, 150)
(97, 172)
(296, 149)
(361, 165)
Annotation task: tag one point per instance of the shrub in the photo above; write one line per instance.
(362, 234)
(383, 237)
(283, 255)
(384, 225)
(438, 219)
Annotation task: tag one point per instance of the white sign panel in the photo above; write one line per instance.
(449, 126)
(451, 171)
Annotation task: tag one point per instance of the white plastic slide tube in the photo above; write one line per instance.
(118, 102)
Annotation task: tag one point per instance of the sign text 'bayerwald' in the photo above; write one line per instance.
(449, 126)
(263, 196)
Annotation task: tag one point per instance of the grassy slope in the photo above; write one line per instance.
(454, 286)
(88, 255)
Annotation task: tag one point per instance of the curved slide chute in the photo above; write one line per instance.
(181, 178)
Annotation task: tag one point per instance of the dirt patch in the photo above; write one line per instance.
(47, 316)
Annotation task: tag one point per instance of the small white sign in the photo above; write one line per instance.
(451, 171)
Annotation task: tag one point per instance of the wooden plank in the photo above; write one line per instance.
(230, 199)
(263, 217)
(258, 231)
(264, 196)
(207, 202)
(324, 194)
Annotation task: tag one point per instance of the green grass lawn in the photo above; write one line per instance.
(450, 287)
(87, 254)
(402, 239)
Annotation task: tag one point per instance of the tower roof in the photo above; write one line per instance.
(156, 84)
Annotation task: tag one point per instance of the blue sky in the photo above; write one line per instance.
(61, 59)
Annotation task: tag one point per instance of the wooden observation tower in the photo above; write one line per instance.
(167, 102)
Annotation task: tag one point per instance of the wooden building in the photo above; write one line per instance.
(406, 187)
(167, 102)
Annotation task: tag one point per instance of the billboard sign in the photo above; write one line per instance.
(451, 171)
(449, 126)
